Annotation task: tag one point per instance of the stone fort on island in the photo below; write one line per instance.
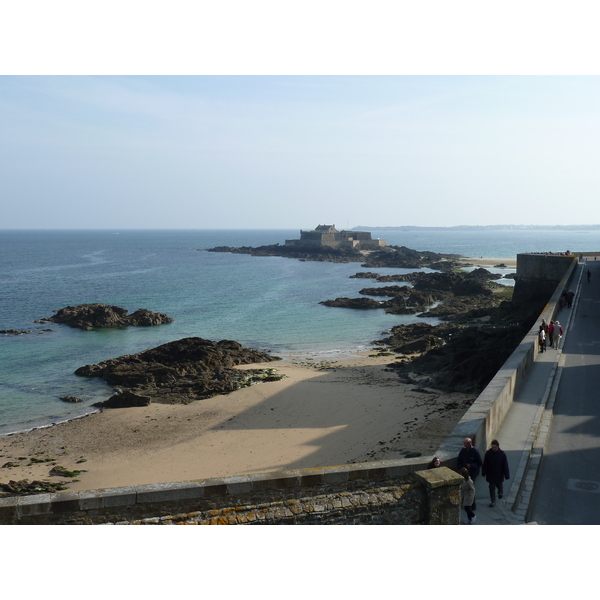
(328, 235)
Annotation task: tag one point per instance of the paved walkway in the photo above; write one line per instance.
(523, 432)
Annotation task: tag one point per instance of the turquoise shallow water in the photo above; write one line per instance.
(270, 303)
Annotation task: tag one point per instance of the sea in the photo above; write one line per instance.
(268, 303)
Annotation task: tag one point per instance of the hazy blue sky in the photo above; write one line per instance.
(296, 151)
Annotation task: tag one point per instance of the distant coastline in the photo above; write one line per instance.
(483, 228)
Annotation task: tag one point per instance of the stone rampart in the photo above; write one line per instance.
(539, 274)
(377, 493)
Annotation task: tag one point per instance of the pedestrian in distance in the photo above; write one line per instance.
(551, 334)
(542, 338)
(470, 459)
(495, 470)
(563, 301)
(435, 463)
(545, 326)
(467, 490)
(556, 334)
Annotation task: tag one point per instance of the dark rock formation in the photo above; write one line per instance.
(462, 357)
(360, 303)
(364, 275)
(26, 487)
(323, 253)
(457, 293)
(71, 399)
(399, 277)
(182, 371)
(146, 318)
(387, 290)
(458, 284)
(417, 338)
(14, 331)
(406, 258)
(125, 399)
(91, 316)
(391, 256)
(467, 362)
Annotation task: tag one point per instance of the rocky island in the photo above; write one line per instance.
(93, 316)
(326, 243)
(391, 256)
(180, 372)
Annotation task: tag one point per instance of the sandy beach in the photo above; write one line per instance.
(487, 263)
(354, 410)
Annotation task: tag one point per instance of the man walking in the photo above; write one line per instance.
(556, 334)
(470, 459)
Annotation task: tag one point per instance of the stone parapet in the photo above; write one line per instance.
(383, 492)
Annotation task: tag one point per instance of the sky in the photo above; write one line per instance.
(244, 128)
(296, 151)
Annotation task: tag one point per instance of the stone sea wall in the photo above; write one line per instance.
(539, 274)
(377, 493)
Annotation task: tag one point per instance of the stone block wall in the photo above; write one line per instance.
(382, 493)
(539, 274)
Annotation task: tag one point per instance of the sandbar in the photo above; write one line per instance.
(487, 263)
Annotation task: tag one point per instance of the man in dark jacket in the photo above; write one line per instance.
(495, 470)
(470, 459)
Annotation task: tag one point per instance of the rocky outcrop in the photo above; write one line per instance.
(387, 290)
(455, 293)
(323, 253)
(93, 316)
(14, 331)
(466, 362)
(459, 284)
(390, 256)
(406, 258)
(124, 399)
(73, 399)
(180, 372)
(24, 487)
(464, 355)
(360, 303)
(364, 275)
(417, 338)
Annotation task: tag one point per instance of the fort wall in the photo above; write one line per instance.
(376, 493)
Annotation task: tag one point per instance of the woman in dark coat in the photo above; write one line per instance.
(495, 470)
